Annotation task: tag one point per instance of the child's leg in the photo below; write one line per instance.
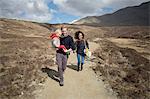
(78, 58)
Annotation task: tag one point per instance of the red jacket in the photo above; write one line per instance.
(53, 35)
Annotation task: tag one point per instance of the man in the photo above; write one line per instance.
(61, 56)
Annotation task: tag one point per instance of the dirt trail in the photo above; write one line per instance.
(77, 85)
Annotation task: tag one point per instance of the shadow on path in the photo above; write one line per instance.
(53, 74)
(72, 66)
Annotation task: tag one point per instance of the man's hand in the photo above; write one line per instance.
(70, 50)
(73, 51)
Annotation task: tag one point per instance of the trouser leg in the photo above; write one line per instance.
(59, 63)
(78, 58)
(82, 61)
(64, 62)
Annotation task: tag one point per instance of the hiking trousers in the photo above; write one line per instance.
(80, 58)
(61, 60)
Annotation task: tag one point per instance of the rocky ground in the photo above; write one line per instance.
(124, 69)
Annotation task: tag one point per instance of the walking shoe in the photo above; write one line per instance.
(61, 83)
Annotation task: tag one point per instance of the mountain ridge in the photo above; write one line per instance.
(129, 16)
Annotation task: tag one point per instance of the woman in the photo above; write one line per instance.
(81, 45)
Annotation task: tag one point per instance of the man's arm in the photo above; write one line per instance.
(72, 44)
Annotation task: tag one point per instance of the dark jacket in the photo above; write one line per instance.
(81, 45)
(67, 42)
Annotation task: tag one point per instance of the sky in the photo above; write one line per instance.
(60, 11)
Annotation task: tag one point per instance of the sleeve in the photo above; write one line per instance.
(75, 45)
(72, 44)
(87, 44)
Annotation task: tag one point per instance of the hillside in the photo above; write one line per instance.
(27, 61)
(130, 16)
(23, 51)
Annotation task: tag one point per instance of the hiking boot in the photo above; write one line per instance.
(78, 67)
(81, 66)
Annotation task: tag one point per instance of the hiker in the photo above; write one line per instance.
(81, 46)
(61, 56)
(56, 40)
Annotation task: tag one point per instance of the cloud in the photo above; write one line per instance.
(73, 21)
(35, 10)
(78, 7)
(42, 11)
(93, 7)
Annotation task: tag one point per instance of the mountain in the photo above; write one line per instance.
(130, 16)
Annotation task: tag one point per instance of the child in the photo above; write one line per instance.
(56, 41)
(81, 45)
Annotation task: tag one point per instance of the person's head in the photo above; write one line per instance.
(79, 35)
(58, 32)
(64, 31)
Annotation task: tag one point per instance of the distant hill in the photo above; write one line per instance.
(130, 16)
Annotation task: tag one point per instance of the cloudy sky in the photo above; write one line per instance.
(60, 11)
